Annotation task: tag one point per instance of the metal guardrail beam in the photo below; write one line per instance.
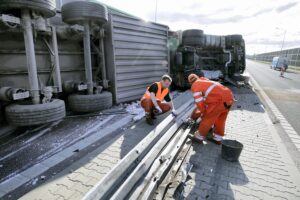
(161, 166)
(109, 183)
(143, 166)
(177, 173)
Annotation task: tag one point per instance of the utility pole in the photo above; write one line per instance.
(155, 10)
(283, 40)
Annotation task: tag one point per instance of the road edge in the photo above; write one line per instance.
(289, 130)
(292, 168)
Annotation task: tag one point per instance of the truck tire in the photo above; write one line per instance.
(78, 12)
(192, 41)
(192, 33)
(47, 8)
(178, 57)
(228, 43)
(231, 40)
(27, 114)
(236, 38)
(1, 114)
(90, 103)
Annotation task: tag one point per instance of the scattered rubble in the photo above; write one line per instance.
(135, 109)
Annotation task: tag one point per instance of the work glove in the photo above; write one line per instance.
(189, 120)
(157, 110)
(198, 120)
(174, 113)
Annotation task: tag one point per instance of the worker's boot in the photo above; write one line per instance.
(217, 139)
(153, 115)
(197, 138)
(149, 119)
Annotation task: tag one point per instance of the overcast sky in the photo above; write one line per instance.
(262, 23)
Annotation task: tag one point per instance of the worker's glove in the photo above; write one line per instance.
(188, 120)
(174, 113)
(198, 120)
(157, 110)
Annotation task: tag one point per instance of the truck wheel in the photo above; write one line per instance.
(1, 114)
(78, 12)
(178, 57)
(46, 8)
(228, 42)
(27, 114)
(192, 33)
(236, 38)
(192, 41)
(90, 103)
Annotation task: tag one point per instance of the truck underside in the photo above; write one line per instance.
(217, 57)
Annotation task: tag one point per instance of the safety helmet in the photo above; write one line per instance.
(192, 78)
(166, 77)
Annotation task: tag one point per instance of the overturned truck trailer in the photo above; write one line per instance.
(137, 55)
(83, 56)
(217, 57)
(79, 56)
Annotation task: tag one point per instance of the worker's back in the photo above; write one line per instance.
(219, 93)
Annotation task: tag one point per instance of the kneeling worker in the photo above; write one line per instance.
(152, 101)
(213, 102)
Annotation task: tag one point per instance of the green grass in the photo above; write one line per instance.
(290, 68)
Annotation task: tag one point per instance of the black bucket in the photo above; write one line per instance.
(231, 150)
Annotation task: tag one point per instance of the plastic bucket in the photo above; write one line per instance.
(231, 150)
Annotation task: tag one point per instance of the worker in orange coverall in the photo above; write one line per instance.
(213, 101)
(157, 99)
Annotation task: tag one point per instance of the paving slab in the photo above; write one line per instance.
(265, 169)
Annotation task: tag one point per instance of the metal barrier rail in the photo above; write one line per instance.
(123, 177)
(161, 166)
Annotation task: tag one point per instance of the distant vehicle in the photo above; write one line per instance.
(279, 62)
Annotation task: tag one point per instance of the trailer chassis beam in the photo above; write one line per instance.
(30, 54)
(87, 57)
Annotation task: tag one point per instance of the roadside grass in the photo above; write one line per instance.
(290, 68)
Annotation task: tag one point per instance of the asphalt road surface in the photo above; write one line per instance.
(284, 92)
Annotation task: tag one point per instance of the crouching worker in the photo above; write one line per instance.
(157, 100)
(213, 101)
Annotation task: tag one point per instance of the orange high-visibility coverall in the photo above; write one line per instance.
(213, 101)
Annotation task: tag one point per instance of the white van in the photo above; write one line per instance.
(279, 62)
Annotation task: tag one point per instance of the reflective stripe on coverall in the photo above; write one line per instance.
(213, 100)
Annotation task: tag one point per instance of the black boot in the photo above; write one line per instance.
(214, 141)
(153, 115)
(149, 119)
